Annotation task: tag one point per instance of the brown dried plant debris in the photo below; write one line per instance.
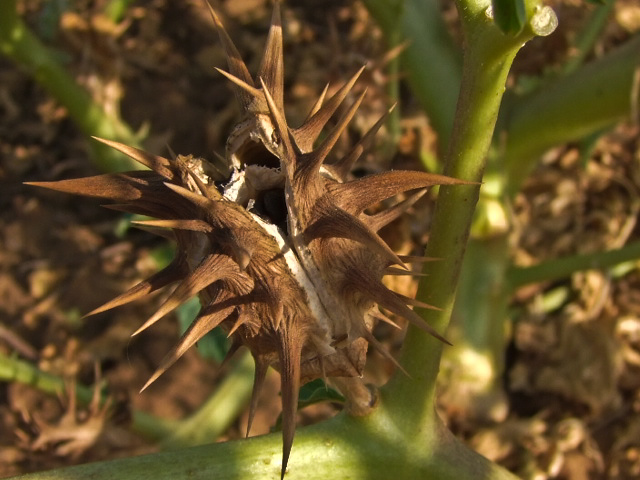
(75, 432)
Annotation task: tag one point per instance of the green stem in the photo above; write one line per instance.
(592, 98)
(588, 35)
(222, 408)
(14, 370)
(487, 61)
(116, 9)
(207, 424)
(369, 448)
(431, 60)
(483, 320)
(564, 267)
(393, 90)
(19, 44)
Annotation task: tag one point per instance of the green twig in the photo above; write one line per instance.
(15, 370)
(486, 64)
(432, 62)
(222, 408)
(588, 35)
(19, 44)
(592, 98)
(595, 96)
(564, 267)
(116, 9)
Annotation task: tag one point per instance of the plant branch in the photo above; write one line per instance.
(594, 97)
(431, 61)
(564, 267)
(487, 61)
(220, 410)
(19, 44)
(15, 370)
(588, 35)
(343, 447)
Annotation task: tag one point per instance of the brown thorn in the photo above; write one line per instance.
(236, 65)
(385, 319)
(236, 343)
(359, 194)
(318, 104)
(281, 123)
(212, 268)
(385, 217)
(251, 90)
(158, 164)
(171, 152)
(416, 303)
(418, 259)
(258, 382)
(195, 198)
(309, 131)
(170, 274)
(198, 329)
(271, 68)
(192, 225)
(211, 193)
(239, 321)
(317, 156)
(336, 223)
(399, 271)
(345, 164)
(383, 351)
(389, 300)
(290, 347)
(119, 187)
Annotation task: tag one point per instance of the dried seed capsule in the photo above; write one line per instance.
(279, 248)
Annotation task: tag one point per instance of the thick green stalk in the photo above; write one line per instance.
(369, 448)
(481, 317)
(487, 60)
(473, 367)
(593, 97)
(482, 320)
(19, 44)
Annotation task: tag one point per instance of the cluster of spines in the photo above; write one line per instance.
(224, 256)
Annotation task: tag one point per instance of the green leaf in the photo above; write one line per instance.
(214, 344)
(316, 392)
(509, 15)
(49, 18)
(311, 393)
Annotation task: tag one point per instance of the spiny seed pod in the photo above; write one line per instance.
(279, 247)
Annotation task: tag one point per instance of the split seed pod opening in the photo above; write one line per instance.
(278, 246)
